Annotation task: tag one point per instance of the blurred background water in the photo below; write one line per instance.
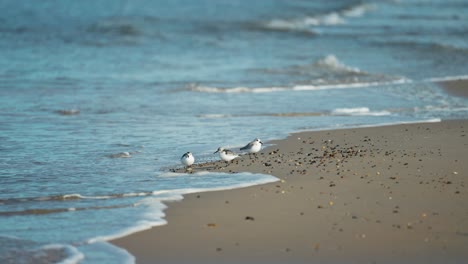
(84, 82)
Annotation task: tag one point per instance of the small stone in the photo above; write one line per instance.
(317, 247)
(249, 218)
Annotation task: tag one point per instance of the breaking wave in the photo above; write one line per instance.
(69, 197)
(17, 250)
(359, 111)
(331, 62)
(329, 19)
(208, 89)
(323, 74)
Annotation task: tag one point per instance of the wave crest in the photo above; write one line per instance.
(331, 62)
(359, 111)
(329, 19)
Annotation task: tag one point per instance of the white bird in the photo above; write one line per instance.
(187, 159)
(226, 154)
(254, 146)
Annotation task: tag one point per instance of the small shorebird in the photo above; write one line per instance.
(187, 159)
(226, 154)
(254, 146)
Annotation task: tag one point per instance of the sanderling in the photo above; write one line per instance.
(187, 159)
(254, 146)
(226, 154)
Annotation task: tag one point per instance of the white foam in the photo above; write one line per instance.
(359, 111)
(433, 120)
(447, 78)
(154, 217)
(206, 89)
(79, 196)
(103, 197)
(304, 24)
(358, 10)
(135, 194)
(332, 62)
(214, 116)
(155, 204)
(329, 19)
(443, 108)
(280, 24)
(72, 196)
(74, 255)
(332, 19)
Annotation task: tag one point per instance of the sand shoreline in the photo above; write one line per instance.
(364, 195)
(386, 194)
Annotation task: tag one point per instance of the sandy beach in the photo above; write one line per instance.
(392, 194)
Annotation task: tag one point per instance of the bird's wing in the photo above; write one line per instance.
(229, 152)
(247, 146)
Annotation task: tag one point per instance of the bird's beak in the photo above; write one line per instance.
(261, 142)
(216, 152)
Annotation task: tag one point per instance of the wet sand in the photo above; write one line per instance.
(456, 87)
(392, 194)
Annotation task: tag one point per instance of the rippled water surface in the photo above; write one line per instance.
(98, 99)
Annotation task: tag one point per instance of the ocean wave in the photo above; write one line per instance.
(359, 111)
(440, 108)
(447, 78)
(69, 197)
(207, 89)
(60, 210)
(331, 62)
(17, 250)
(155, 203)
(326, 71)
(124, 154)
(73, 255)
(338, 17)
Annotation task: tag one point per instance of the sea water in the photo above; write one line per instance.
(99, 99)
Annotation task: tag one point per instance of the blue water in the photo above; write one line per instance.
(82, 82)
